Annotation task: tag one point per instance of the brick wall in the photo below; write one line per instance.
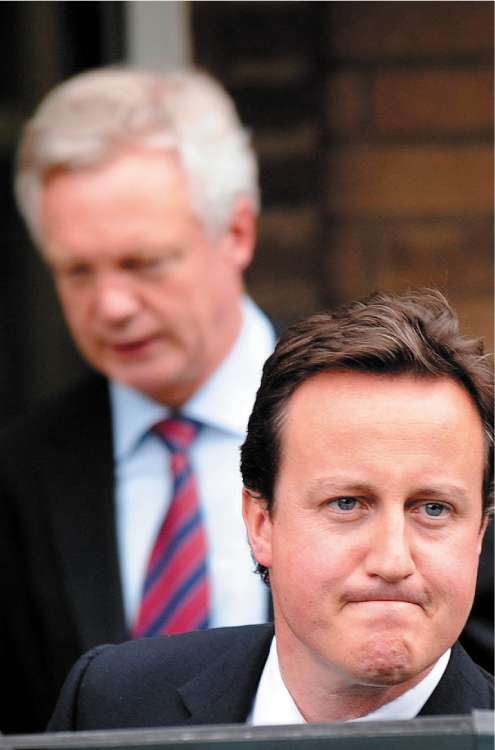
(373, 122)
(409, 179)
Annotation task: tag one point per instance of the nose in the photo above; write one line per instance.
(389, 554)
(115, 302)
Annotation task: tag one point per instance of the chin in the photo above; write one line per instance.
(147, 377)
(386, 662)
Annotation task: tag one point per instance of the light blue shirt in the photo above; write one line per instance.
(143, 481)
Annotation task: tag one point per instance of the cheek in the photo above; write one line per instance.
(451, 573)
(309, 563)
(75, 309)
(175, 305)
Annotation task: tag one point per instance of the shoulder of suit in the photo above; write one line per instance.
(78, 402)
(180, 654)
(470, 673)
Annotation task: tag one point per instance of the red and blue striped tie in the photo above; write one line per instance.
(176, 589)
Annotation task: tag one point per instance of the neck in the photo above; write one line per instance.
(324, 693)
(177, 394)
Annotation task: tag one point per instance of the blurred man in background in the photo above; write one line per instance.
(120, 498)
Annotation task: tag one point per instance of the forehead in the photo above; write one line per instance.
(136, 191)
(155, 167)
(368, 397)
(360, 421)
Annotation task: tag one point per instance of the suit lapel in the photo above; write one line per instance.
(224, 691)
(79, 472)
(461, 688)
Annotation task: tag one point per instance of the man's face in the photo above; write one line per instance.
(150, 299)
(375, 533)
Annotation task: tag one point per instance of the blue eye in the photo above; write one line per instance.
(344, 503)
(435, 509)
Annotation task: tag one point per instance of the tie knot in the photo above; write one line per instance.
(178, 432)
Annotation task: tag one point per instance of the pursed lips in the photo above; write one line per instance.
(408, 597)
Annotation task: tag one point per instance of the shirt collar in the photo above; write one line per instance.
(273, 704)
(224, 401)
(132, 416)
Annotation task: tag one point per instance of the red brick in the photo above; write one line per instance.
(384, 30)
(287, 297)
(291, 226)
(268, 71)
(434, 254)
(286, 143)
(433, 100)
(453, 256)
(475, 313)
(349, 264)
(346, 101)
(410, 181)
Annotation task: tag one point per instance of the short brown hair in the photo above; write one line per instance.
(414, 333)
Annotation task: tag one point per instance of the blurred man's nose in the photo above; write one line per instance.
(116, 302)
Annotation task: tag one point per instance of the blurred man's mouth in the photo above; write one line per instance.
(132, 348)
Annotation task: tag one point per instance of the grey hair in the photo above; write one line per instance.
(88, 118)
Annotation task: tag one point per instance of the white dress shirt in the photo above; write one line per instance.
(143, 480)
(273, 704)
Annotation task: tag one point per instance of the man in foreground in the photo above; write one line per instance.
(141, 193)
(367, 473)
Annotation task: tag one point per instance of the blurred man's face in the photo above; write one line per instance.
(150, 299)
(374, 538)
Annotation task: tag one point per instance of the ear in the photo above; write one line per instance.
(239, 239)
(258, 526)
(483, 528)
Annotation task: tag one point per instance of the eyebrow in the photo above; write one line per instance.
(342, 485)
(339, 485)
(443, 491)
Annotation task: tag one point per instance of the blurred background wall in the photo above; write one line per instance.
(373, 122)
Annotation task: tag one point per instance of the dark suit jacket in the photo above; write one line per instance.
(208, 678)
(60, 585)
(60, 580)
